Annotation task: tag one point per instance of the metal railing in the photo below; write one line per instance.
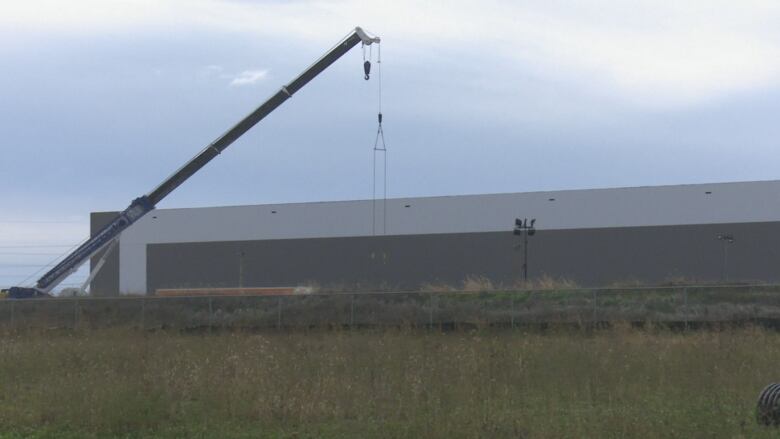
(680, 305)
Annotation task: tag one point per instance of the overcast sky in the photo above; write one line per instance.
(101, 100)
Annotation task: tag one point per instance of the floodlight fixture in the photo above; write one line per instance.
(726, 239)
(522, 228)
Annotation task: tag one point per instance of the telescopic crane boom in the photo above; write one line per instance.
(145, 203)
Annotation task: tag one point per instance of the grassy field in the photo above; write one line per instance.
(616, 383)
(747, 304)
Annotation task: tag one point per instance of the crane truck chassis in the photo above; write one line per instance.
(146, 203)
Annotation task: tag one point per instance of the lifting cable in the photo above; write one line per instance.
(379, 144)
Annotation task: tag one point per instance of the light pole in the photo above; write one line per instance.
(726, 239)
(241, 255)
(522, 228)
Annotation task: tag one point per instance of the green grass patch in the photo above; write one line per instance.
(618, 383)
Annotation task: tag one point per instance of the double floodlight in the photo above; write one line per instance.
(522, 226)
(726, 237)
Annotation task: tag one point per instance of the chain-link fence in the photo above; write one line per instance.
(684, 306)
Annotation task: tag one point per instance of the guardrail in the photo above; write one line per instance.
(679, 305)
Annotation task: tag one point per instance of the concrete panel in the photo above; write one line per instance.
(556, 210)
(590, 257)
(106, 283)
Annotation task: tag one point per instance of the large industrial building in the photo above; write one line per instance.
(594, 237)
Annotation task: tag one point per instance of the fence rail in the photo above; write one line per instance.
(684, 305)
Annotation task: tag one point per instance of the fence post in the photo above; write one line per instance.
(685, 307)
(210, 314)
(13, 326)
(351, 311)
(512, 311)
(143, 313)
(595, 306)
(279, 313)
(430, 310)
(75, 312)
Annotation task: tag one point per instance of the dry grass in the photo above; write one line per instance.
(548, 283)
(620, 383)
(474, 283)
(440, 287)
(477, 284)
(627, 283)
(479, 308)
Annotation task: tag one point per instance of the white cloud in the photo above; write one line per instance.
(248, 77)
(643, 51)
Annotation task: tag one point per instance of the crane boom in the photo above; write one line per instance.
(145, 203)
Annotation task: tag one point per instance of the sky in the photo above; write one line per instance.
(100, 100)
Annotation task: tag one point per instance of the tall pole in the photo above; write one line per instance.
(727, 240)
(241, 269)
(525, 255)
(523, 228)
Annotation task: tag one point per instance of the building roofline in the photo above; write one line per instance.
(430, 197)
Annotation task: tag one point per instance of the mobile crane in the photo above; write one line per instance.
(109, 235)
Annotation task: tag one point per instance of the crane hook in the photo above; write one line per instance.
(367, 68)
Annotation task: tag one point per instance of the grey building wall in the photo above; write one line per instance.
(106, 283)
(721, 203)
(590, 257)
(593, 236)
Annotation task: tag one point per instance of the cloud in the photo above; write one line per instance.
(248, 77)
(644, 52)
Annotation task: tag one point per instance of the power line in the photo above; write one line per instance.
(40, 222)
(36, 246)
(27, 254)
(14, 276)
(26, 265)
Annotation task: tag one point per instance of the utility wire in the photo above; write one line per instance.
(28, 254)
(40, 222)
(36, 246)
(25, 265)
(55, 260)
